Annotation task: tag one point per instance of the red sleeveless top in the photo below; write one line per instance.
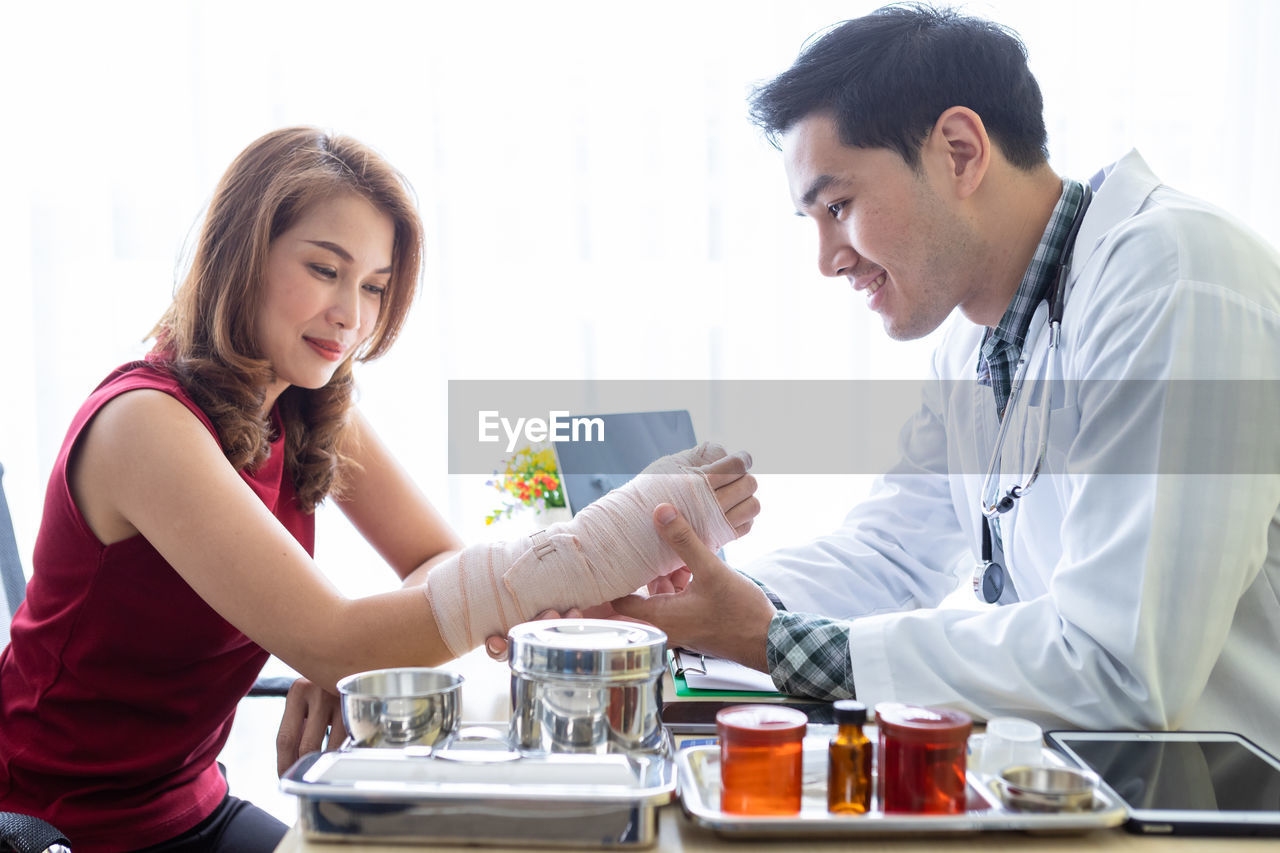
(119, 684)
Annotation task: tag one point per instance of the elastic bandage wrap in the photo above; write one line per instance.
(608, 550)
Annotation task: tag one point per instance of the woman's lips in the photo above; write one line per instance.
(329, 350)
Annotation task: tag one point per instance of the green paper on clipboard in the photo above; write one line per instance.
(696, 674)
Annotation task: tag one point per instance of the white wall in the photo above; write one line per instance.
(597, 205)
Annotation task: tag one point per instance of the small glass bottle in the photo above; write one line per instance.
(761, 759)
(849, 761)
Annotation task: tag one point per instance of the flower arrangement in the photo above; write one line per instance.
(530, 479)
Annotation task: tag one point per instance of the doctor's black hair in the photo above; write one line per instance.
(886, 78)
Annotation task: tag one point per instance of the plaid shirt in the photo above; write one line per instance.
(1002, 346)
(809, 655)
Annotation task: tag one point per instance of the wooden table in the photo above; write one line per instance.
(484, 698)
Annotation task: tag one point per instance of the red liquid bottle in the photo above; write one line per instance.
(922, 759)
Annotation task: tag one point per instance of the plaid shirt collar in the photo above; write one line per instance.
(1002, 345)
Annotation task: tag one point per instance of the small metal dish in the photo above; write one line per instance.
(1042, 788)
(399, 708)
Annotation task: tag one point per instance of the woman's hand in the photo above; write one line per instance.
(310, 714)
(735, 490)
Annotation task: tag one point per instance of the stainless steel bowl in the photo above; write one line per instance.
(1037, 788)
(394, 708)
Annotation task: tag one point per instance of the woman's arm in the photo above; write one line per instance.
(388, 508)
(147, 465)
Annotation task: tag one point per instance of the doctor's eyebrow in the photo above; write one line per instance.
(344, 254)
(819, 184)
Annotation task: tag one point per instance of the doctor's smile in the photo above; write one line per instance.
(872, 287)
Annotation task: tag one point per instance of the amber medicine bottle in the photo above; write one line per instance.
(849, 761)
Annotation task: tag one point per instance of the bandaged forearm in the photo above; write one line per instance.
(609, 549)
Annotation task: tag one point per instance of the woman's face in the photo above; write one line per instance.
(325, 280)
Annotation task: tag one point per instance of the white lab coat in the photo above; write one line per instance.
(1143, 599)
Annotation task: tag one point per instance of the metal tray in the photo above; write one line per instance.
(482, 796)
(699, 773)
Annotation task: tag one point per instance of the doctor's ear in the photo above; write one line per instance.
(960, 142)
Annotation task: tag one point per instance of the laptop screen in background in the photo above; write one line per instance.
(632, 440)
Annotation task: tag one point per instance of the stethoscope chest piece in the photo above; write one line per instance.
(988, 581)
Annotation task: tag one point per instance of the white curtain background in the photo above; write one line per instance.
(597, 204)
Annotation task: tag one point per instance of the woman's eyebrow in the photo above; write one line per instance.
(344, 254)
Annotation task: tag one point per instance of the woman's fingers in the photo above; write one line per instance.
(310, 715)
(337, 729)
(727, 470)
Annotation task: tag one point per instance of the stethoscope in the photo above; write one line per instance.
(989, 577)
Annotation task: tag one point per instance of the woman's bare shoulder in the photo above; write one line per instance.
(134, 442)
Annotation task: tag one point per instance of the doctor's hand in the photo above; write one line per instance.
(719, 611)
(310, 713)
(496, 647)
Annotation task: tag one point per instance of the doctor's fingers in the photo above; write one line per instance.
(729, 469)
(496, 646)
(675, 581)
(654, 610)
(676, 531)
(681, 614)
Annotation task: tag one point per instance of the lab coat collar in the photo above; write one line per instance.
(1120, 190)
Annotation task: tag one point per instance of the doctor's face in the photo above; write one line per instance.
(881, 225)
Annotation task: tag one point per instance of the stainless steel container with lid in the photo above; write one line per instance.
(586, 685)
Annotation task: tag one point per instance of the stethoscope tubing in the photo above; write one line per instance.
(989, 577)
(992, 508)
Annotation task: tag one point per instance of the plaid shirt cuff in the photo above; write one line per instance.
(809, 656)
(769, 594)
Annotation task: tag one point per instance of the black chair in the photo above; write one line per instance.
(14, 586)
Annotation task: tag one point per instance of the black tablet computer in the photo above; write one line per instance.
(627, 442)
(1192, 783)
(689, 717)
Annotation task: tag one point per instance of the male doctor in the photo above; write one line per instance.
(1142, 569)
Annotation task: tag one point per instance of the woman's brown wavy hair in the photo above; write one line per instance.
(208, 336)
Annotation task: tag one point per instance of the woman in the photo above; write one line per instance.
(174, 552)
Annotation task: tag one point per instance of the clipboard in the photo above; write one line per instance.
(683, 663)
